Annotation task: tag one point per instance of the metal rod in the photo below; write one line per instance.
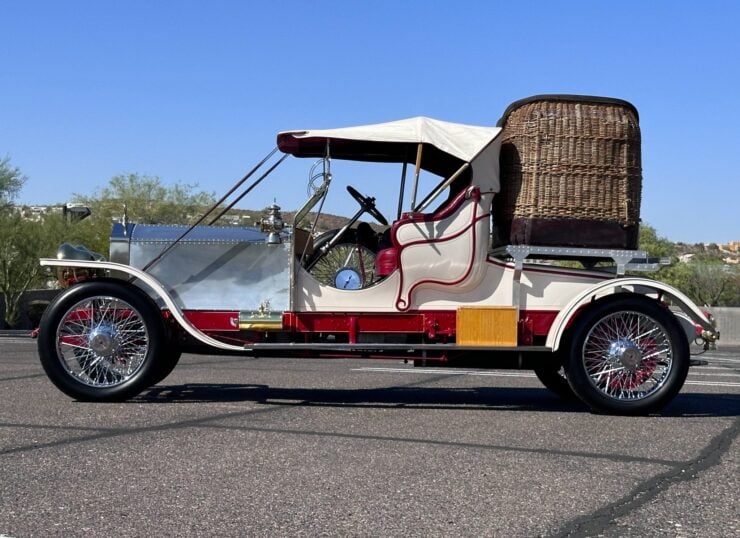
(210, 210)
(416, 174)
(248, 190)
(313, 225)
(446, 183)
(334, 240)
(403, 186)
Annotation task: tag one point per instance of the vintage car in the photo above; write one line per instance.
(428, 285)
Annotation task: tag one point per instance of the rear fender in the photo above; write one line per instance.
(642, 286)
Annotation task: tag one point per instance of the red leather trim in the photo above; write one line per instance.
(401, 304)
(386, 261)
(443, 213)
(446, 211)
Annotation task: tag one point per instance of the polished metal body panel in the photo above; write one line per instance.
(211, 268)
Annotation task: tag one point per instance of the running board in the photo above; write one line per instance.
(408, 348)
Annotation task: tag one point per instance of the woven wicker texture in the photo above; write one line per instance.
(570, 159)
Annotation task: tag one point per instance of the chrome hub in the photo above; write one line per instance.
(626, 353)
(103, 341)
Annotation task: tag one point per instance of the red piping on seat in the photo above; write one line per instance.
(387, 259)
(470, 193)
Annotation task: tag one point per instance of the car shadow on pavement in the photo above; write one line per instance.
(525, 399)
(700, 404)
(505, 398)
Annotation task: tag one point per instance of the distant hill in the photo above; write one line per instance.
(249, 217)
(688, 251)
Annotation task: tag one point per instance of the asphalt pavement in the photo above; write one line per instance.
(294, 447)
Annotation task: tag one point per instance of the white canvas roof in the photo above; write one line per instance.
(447, 146)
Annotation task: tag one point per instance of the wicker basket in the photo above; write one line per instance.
(570, 173)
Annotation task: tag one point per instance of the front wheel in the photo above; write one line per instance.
(166, 364)
(98, 341)
(627, 356)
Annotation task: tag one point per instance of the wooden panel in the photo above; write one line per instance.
(490, 326)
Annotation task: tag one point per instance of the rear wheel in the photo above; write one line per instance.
(553, 377)
(627, 356)
(99, 341)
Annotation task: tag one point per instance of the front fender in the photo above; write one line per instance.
(643, 286)
(154, 285)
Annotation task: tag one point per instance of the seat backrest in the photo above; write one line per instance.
(443, 251)
(442, 213)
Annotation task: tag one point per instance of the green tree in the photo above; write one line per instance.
(145, 199)
(655, 245)
(20, 242)
(14, 276)
(705, 278)
(673, 274)
(711, 283)
(23, 242)
(11, 182)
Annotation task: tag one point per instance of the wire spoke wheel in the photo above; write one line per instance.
(628, 356)
(102, 341)
(345, 266)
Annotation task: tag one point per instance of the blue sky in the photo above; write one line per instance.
(196, 91)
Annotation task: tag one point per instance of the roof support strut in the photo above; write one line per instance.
(416, 174)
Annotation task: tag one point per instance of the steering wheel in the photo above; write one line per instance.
(367, 203)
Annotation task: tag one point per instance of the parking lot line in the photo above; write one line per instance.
(728, 384)
(499, 373)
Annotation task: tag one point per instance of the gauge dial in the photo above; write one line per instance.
(347, 279)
